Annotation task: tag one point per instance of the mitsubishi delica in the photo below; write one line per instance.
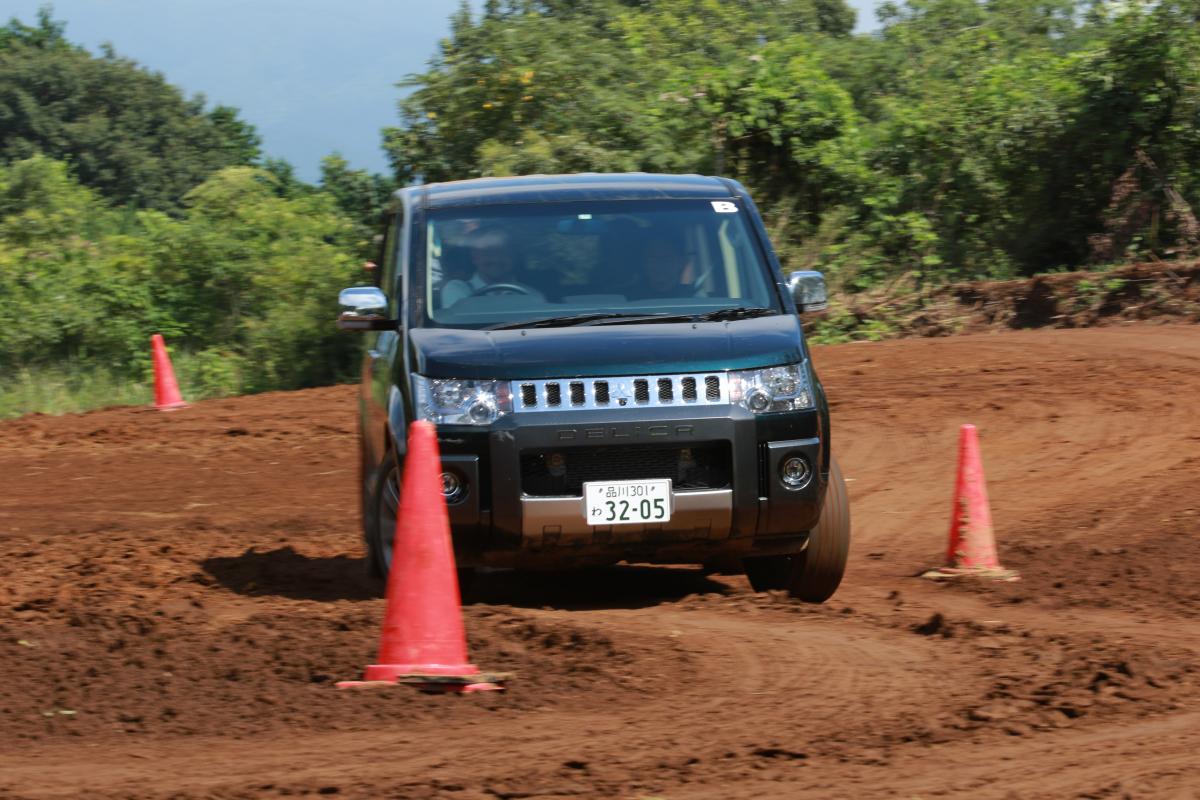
(617, 371)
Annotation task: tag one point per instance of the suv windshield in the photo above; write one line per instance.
(503, 265)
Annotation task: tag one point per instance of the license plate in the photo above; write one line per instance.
(627, 502)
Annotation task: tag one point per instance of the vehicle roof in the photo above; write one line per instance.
(582, 186)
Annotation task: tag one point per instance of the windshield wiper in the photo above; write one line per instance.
(632, 318)
(720, 314)
(584, 319)
(738, 312)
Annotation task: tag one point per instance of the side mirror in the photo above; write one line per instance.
(364, 308)
(808, 290)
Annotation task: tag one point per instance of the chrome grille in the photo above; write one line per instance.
(653, 391)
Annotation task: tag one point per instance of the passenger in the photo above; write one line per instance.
(495, 264)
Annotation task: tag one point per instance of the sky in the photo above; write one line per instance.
(313, 76)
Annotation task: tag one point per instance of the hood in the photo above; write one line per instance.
(606, 350)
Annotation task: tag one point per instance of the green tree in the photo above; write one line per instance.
(1131, 171)
(967, 139)
(125, 131)
(360, 195)
(533, 86)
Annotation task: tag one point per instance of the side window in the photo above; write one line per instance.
(388, 256)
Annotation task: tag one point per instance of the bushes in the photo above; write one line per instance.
(245, 279)
(127, 209)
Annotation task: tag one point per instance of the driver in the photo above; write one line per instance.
(664, 269)
(495, 265)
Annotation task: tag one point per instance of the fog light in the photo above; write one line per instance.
(452, 486)
(795, 472)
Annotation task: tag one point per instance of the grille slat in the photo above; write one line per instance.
(689, 389)
(600, 391)
(641, 391)
(712, 388)
(576, 393)
(553, 395)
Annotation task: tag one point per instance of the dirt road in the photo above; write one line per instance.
(178, 593)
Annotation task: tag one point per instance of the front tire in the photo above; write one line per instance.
(381, 530)
(380, 523)
(814, 574)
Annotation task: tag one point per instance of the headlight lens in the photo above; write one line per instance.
(452, 401)
(764, 391)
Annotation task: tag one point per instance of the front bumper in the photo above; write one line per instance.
(497, 522)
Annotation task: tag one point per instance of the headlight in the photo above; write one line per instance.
(772, 389)
(452, 401)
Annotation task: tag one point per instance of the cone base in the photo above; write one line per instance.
(428, 688)
(394, 672)
(437, 683)
(996, 573)
(171, 406)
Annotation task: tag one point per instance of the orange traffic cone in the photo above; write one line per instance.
(972, 549)
(423, 642)
(166, 390)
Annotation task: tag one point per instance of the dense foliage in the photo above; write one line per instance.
(966, 139)
(125, 131)
(242, 277)
(126, 209)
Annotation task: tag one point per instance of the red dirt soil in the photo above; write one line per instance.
(179, 592)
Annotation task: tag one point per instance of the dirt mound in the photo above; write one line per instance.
(1159, 291)
(1061, 678)
(1152, 575)
(179, 592)
(175, 672)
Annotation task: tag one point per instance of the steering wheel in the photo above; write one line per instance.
(501, 288)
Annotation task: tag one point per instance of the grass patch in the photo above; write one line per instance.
(79, 386)
(68, 388)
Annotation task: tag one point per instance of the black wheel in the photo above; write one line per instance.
(817, 572)
(365, 505)
(380, 524)
(814, 574)
(382, 527)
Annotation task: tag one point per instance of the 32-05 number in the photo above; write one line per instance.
(618, 510)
